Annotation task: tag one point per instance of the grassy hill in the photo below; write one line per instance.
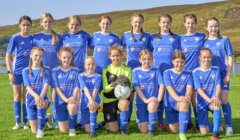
(228, 12)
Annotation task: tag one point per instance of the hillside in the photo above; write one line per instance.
(228, 12)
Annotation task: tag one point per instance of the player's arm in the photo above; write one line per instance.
(141, 95)
(106, 86)
(174, 95)
(201, 92)
(229, 69)
(161, 92)
(44, 90)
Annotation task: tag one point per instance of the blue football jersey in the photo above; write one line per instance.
(191, 46)
(66, 80)
(50, 51)
(179, 82)
(134, 47)
(79, 41)
(207, 80)
(221, 48)
(36, 82)
(148, 81)
(91, 82)
(163, 50)
(101, 44)
(20, 47)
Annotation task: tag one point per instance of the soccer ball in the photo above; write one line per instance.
(122, 92)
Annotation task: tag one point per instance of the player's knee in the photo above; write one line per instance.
(204, 130)
(113, 128)
(72, 109)
(183, 106)
(173, 128)
(152, 106)
(123, 104)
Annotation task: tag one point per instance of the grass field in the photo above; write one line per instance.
(7, 121)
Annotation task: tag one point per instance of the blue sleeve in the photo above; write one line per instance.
(228, 47)
(218, 78)
(91, 43)
(47, 76)
(166, 79)
(118, 41)
(81, 81)
(98, 83)
(123, 40)
(11, 45)
(196, 81)
(177, 44)
(60, 43)
(25, 78)
(190, 80)
(150, 45)
(160, 78)
(76, 83)
(55, 82)
(135, 81)
(88, 39)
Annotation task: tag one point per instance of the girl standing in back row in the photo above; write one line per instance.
(163, 45)
(102, 41)
(222, 50)
(51, 42)
(17, 58)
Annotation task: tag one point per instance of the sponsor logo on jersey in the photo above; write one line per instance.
(133, 49)
(79, 36)
(196, 39)
(159, 49)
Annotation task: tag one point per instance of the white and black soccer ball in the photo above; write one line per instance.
(122, 92)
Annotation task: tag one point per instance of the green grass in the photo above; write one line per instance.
(7, 121)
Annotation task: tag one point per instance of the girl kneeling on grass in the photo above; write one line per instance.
(36, 79)
(111, 104)
(65, 82)
(90, 83)
(179, 85)
(207, 82)
(148, 84)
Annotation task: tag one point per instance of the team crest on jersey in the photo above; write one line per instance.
(22, 43)
(139, 76)
(99, 49)
(142, 86)
(200, 77)
(133, 49)
(93, 81)
(152, 75)
(185, 49)
(144, 39)
(159, 49)
(130, 38)
(213, 76)
(183, 77)
(70, 76)
(171, 77)
(79, 36)
(110, 40)
(66, 37)
(171, 39)
(185, 40)
(98, 39)
(25, 53)
(41, 39)
(196, 39)
(218, 44)
(207, 46)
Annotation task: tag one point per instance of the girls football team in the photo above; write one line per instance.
(167, 72)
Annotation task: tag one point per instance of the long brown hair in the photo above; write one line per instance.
(27, 18)
(53, 33)
(142, 17)
(206, 24)
(36, 48)
(159, 19)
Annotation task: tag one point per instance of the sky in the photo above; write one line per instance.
(12, 10)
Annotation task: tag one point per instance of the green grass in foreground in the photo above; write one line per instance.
(7, 121)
